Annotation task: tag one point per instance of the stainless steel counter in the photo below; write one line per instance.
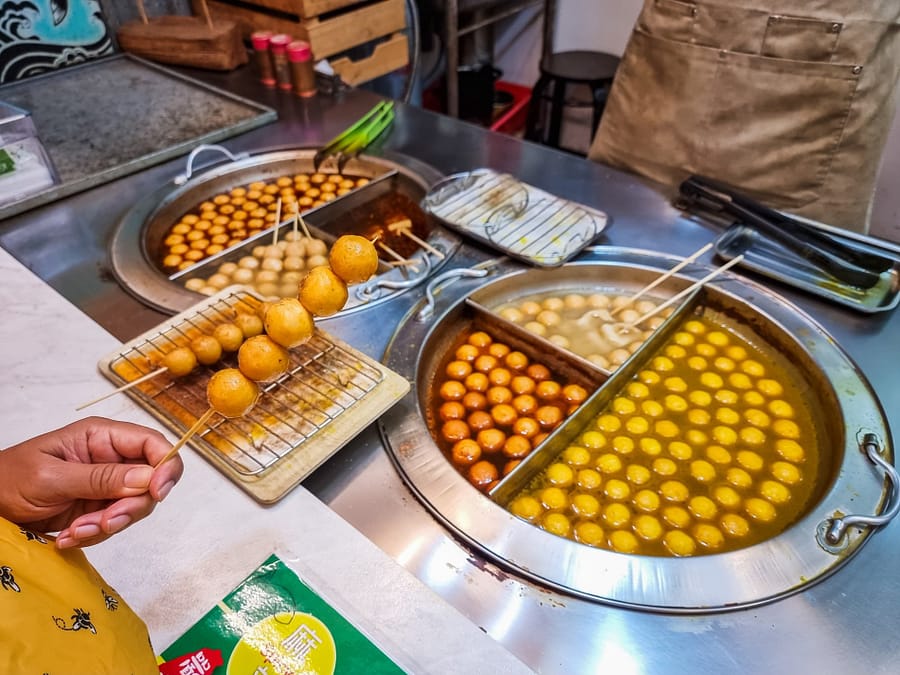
(844, 624)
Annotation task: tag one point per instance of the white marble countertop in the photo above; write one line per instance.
(208, 535)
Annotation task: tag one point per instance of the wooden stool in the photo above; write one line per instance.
(594, 69)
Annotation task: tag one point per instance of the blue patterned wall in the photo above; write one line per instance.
(37, 36)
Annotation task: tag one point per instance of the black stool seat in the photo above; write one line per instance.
(548, 98)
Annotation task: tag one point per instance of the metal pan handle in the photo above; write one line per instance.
(441, 280)
(832, 530)
(189, 169)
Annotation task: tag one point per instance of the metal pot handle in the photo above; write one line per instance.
(189, 170)
(447, 278)
(371, 289)
(832, 530)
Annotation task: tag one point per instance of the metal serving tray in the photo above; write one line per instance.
(513, 217)
(768, 258)
(330, 393)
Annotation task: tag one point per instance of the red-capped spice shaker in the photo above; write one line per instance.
(300, 56)
(278, 47)
(265, 70)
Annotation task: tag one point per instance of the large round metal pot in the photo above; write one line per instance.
(855, 452)
(135, 245)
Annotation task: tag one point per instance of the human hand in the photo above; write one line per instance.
(88, 480)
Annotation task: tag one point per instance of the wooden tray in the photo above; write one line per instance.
(329, 395)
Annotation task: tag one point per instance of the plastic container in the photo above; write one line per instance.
(25, 166)
(278, 48)
(304, 76)
(264, 67)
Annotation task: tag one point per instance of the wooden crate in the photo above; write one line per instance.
(357, 24)
(387, 57)
(305, 9)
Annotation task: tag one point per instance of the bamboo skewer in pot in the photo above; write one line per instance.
(404, 227)
(396, 256)
(687, 291)
(656, 282)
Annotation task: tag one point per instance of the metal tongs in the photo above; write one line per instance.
(358, 137)
(842, 260)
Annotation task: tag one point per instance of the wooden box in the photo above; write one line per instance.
(350, 25)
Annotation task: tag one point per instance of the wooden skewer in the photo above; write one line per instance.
(306, 231)
(187, 435)
(296, 219)
(675, 298)
(142, 12)
(277, 215)
(396, 256)
(649, 287)
(205, 8)
(401, 263)
(404, 227)
(124, 387)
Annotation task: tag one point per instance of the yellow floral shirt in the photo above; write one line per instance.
(58, 616)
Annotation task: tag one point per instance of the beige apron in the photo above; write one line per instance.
(790, 101)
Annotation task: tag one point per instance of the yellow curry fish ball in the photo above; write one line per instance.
(726, 496)
(588, 479)
(717, 338)
(652, 408)
(617, 515)
(757, 418)
(624, 445)
(593, 440)
(180, 361)
(662, 364)
(698, 417)
(623, 541)
(288, 323)
(554, 498)
(727, 416)
(673, 351)
(666, 428)
(675, 403)
(734, 525)
(646, 500)
(724, 436)
(702, 508)
(770, 387)
(696, 437)
(786, 428)
(649, 377)
(608, 464)
(695, 327)
(786, 473)
(752, 436)
(702, 471)
(647, 528)
(705, 350)
(637, 390)
(781, 408)
(675, 384)
(664, 466)
(322, 292)
(738, 478)
(700, 398)
(674, 491)
(576, 456)
(560, 475)
(250, 324)
(590, 534)
(790, 450)
(262, 359)
(637, 474)
(229, 335)
(623, 406)
(353, 258)
(617, 489)
(697, 363)
(679, 544)
(759, 509)
(740, 381)
(585, 506)
(207, 349)
(711, 380)
(676, 516)
(708, 536)
(557, 523)
(680, 450)
(650, 446)
(608, 423)
(774, 492)
(718, 455)
(230, 393)
(527, 508)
